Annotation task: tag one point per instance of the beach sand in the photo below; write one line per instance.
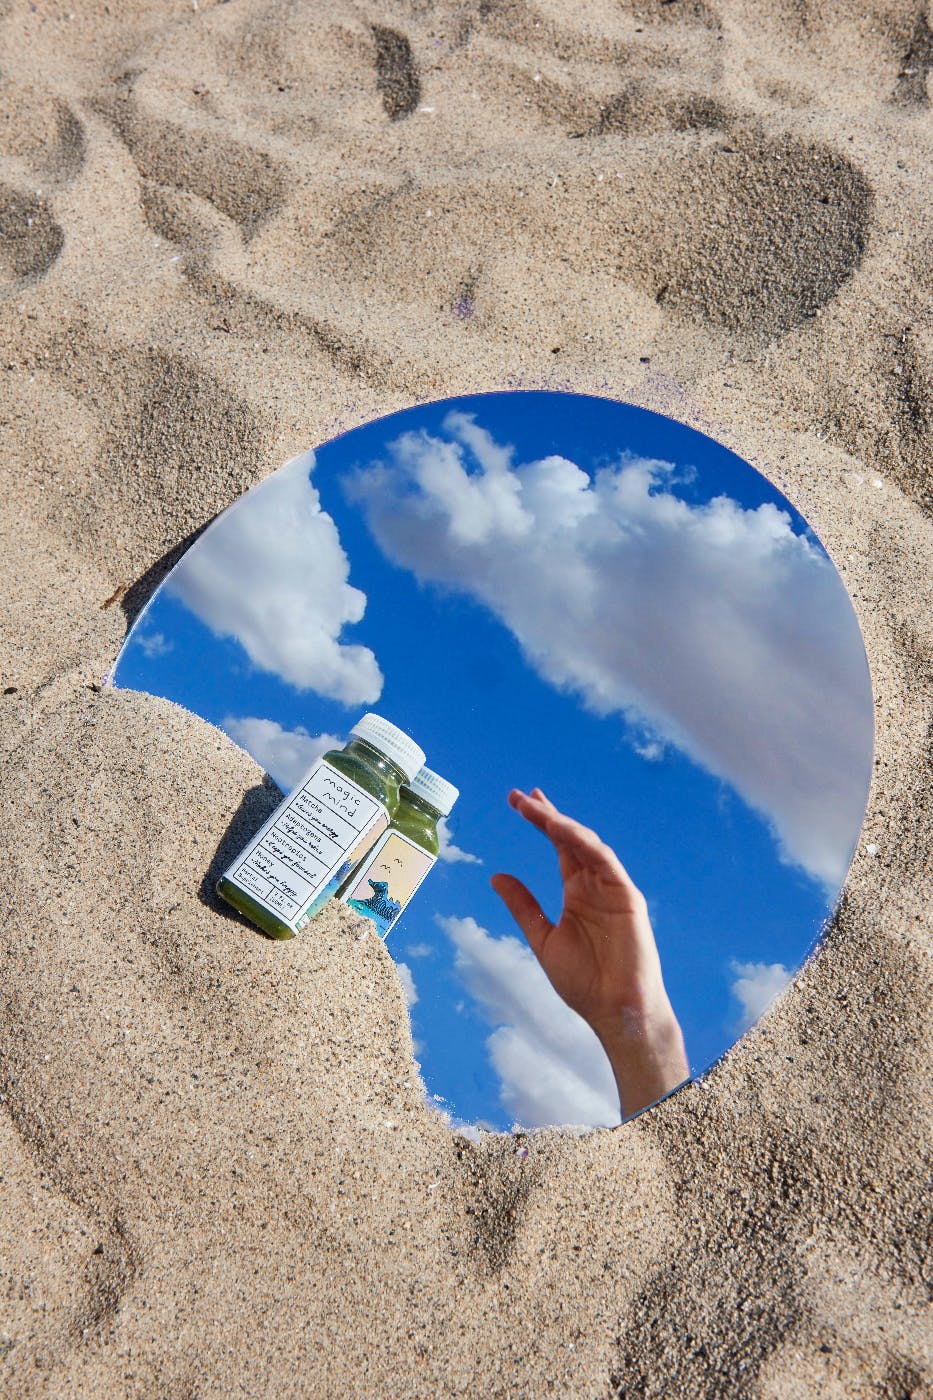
(228, 230)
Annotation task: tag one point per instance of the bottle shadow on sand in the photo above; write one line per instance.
(256, 806)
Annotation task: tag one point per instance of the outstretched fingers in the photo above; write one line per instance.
(571, 838)
(524, 908)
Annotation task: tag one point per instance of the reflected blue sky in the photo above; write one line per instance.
(555, 590)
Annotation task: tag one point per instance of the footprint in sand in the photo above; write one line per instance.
(911, 89)
(67, 152)
(42, 133)
(396, 73)
(242, 183)
(749, 233)
(30, 238)
(45, 141)
(698, 208)
(708, 216)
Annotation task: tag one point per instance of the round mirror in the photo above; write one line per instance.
(557, 591)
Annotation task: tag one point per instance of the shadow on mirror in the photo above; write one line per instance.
(558, 592)
(256, 806)
(138, 594)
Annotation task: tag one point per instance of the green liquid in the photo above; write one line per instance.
(417, 820)
(376, 775)
(263, 918)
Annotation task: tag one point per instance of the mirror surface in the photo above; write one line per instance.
(553, 590)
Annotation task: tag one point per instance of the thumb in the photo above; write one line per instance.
(524, 908)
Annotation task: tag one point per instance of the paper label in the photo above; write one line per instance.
(306, 841)
(388, 878)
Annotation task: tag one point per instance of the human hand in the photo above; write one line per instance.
(600, 956)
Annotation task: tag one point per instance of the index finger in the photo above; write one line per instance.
(569, 837)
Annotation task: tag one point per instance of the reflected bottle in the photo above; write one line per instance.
(325, 827)
(405, 855)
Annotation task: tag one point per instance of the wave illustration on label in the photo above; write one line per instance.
(388, 880)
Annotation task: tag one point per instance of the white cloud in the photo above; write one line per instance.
(419, 950)
(651, 750)
(712, 628)
(755, 986)
(155, 645)
(451, 852)
(285, 754)
(271, 573)
(473, 506)
(408, 984)
(552, 1068)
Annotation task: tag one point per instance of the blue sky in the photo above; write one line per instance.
(555, 590)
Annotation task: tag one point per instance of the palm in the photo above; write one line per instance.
(599, 953)
(583, 962)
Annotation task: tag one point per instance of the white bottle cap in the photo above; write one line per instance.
(394, 743)
(435, 789)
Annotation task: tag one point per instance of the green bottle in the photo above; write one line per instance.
(325, 826)
(401, 859)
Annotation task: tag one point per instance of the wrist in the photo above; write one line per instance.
(645, 1048)
(638, 1019)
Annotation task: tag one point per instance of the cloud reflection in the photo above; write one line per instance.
(272, 574)
(710, 627)
(285, 754)
(755, 986)
(449, 850)
(550, 1064)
